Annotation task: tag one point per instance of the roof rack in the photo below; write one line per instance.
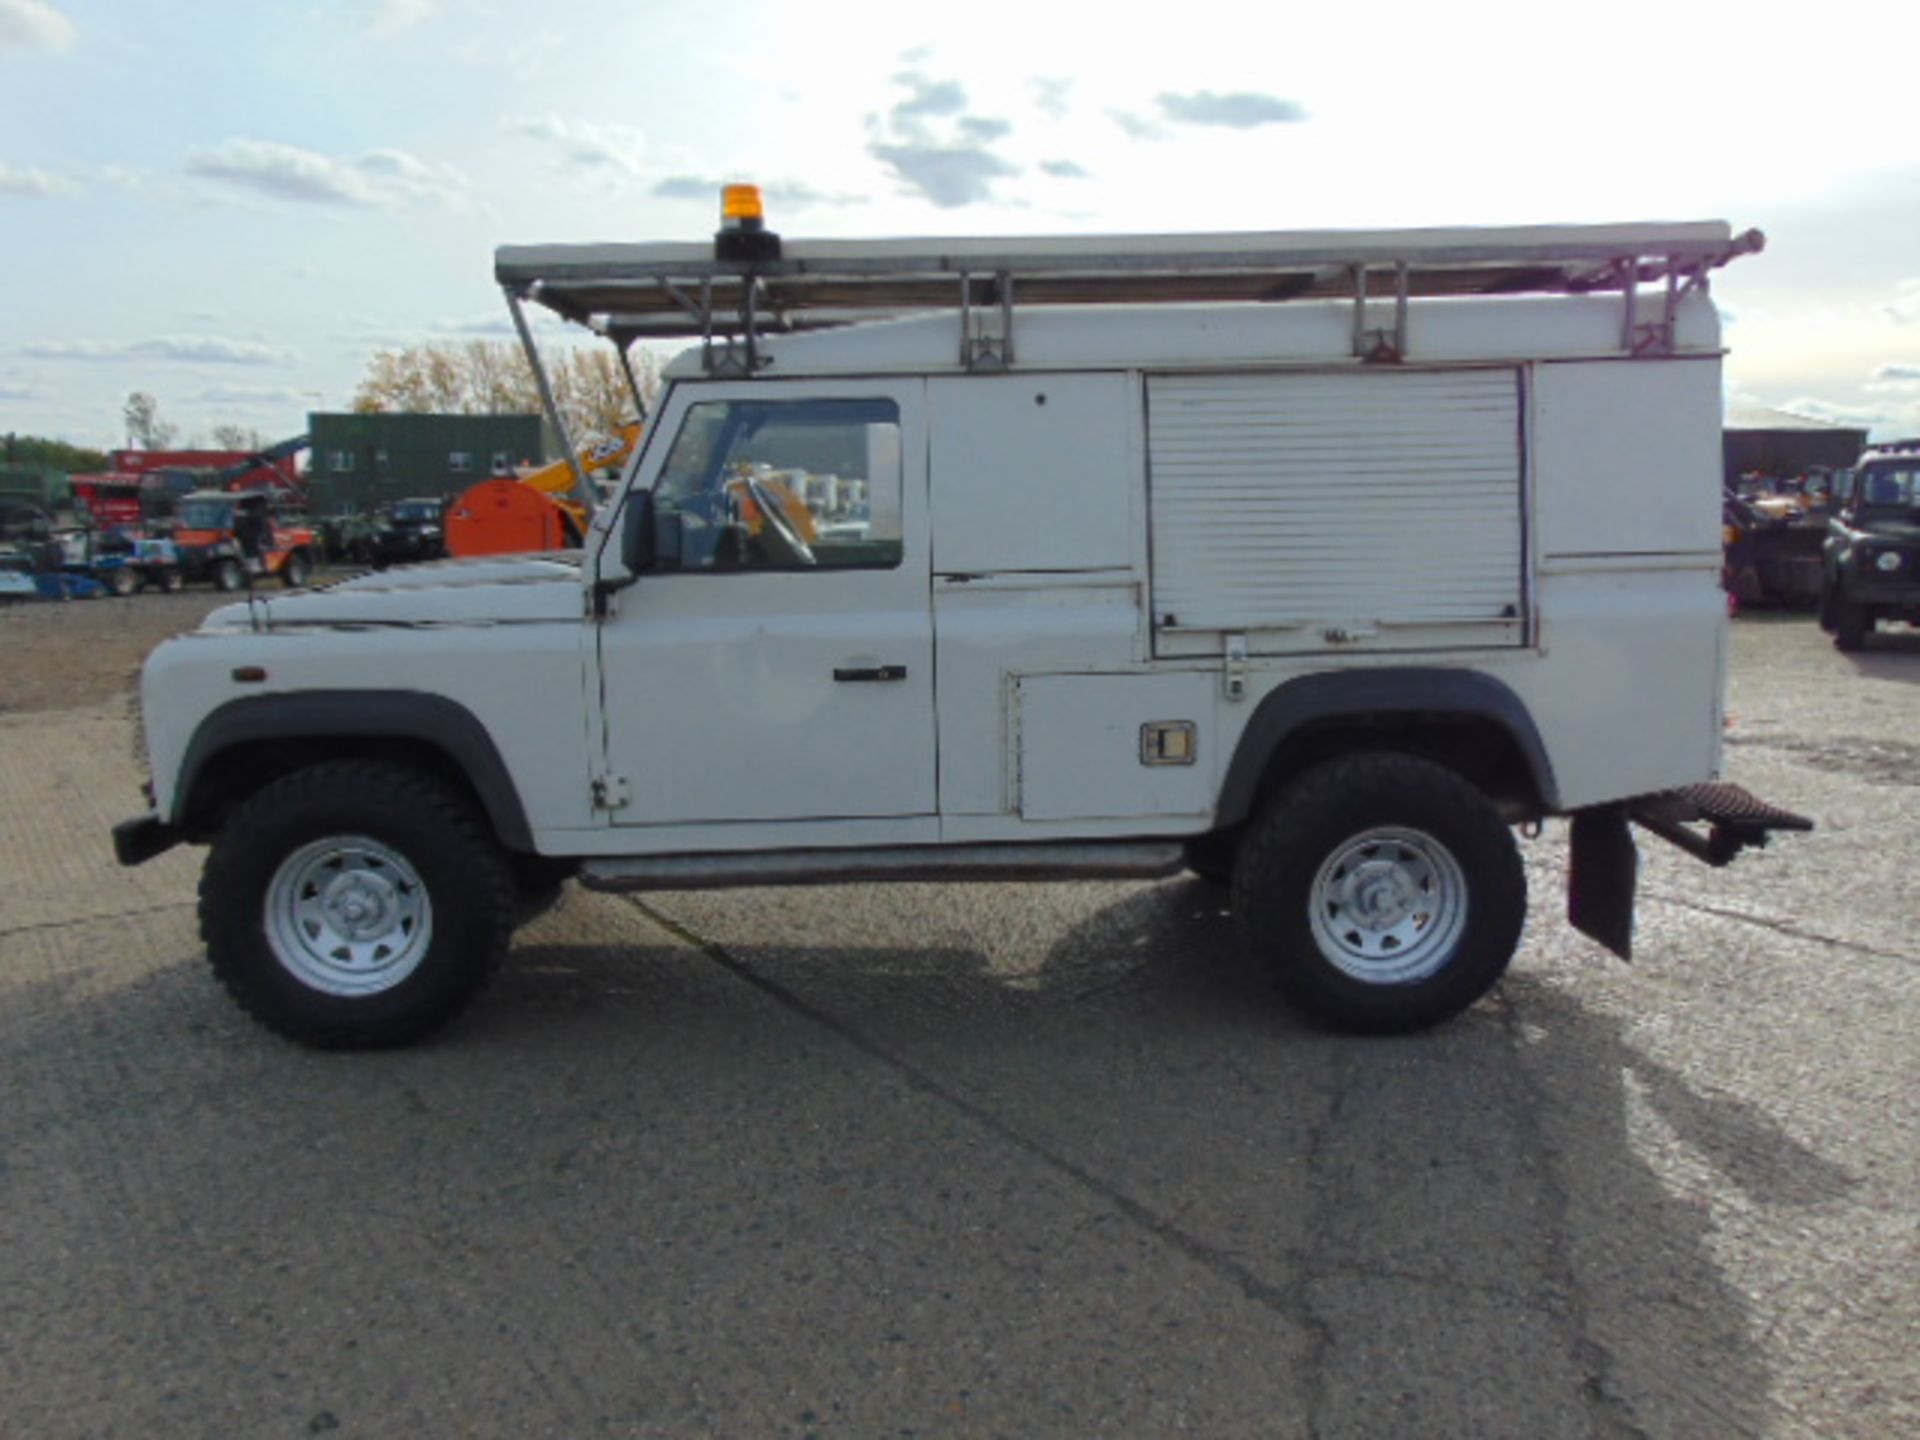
(631, 292)
(666, 291)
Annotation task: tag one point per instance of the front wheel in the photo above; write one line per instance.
(354, 905)
(1852, 623)
(122, 580)
(228, 576)
(1382, 892)
(294, 573)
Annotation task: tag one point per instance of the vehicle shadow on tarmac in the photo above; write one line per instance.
(874, 1183)
(1469, 1226)
(1889, 655)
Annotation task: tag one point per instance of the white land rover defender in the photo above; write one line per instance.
(1312, 562)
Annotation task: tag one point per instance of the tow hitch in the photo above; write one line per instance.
(1605, 868)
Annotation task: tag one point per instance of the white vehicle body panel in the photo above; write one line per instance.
(719, 690)
(1032, 474)
(1231, 466)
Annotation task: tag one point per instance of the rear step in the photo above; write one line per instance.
(1605, 867)
(1736, 818)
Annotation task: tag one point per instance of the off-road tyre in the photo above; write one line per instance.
(228, 575)
(1852, 623)
(295, 572)
(266, 865)
(1354, 842)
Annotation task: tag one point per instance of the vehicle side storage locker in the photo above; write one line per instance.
(1382, 510)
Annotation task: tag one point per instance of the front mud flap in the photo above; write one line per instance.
(1602, 878)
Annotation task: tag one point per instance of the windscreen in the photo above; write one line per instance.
(209, 514)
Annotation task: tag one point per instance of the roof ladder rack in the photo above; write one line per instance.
(631, 292)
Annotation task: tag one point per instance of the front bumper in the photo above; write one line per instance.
(137, 841)
(1869, 588)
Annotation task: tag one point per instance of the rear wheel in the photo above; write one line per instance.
(122, 580)
(354, 905)
(294, 573)
(1383, 893)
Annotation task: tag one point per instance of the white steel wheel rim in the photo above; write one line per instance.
(1388, 906)
(348, 916)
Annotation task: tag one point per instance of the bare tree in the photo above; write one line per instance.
(490, 377)
(237, 437)
(145, 429)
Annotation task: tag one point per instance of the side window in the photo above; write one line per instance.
(782, 485)
(460, 461)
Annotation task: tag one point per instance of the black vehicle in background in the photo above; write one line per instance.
(1870, 565)
(405, 532)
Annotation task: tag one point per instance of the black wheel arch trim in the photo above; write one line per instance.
(373, 714)
(1398, 691)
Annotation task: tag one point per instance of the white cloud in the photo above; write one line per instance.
(1240, 111)
(287, 172)
(21, 393)
(192, 349)
(587, 144)
(32, 181)
(1137, 127)
(249, 395)
(1882, 421)
(1905, 308)
(33, 25)
(784, 194)
(950, 163)
(390, 17)
(1052, 96)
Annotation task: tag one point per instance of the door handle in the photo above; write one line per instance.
(871, 672)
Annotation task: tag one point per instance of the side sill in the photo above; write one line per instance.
(1082, 860)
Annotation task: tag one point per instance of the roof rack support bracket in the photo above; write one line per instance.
(1378, 345)
(986, 335)
(582, 490)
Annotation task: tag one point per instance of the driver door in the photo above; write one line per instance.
(776, 665)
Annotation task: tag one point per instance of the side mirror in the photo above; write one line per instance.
(641, 534)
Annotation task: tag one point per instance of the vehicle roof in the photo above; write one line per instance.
(1317, 335)
(1902, 452)
(682, 289)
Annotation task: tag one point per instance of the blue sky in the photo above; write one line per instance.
(232, 205)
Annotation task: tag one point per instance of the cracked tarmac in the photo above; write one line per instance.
(986, 1160)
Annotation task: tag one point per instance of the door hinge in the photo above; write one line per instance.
(1233, 674)
(609, 792)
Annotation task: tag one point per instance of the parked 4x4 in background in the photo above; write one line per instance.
(407, 531)
(1870, 570)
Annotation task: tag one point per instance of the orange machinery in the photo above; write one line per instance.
(535, 511)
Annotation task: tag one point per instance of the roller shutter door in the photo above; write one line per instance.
(1382, 509)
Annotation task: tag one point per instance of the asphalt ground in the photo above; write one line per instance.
(983, 1160)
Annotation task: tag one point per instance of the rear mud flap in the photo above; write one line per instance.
(1605, 863)
(1602, 878)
